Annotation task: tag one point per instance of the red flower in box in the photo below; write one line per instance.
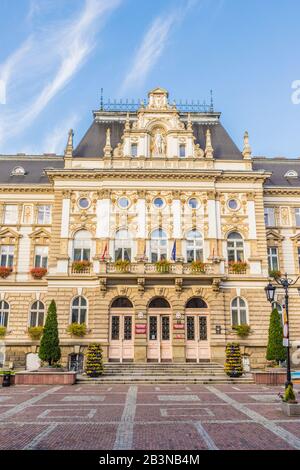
(5, 271)
(38, 273)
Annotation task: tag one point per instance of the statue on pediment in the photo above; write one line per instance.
(158, 144)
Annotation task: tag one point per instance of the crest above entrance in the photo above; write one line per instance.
(158, 99)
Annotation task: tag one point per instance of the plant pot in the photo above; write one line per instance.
(290, 409)
(6, 382)
(94, 374)
(235, 374)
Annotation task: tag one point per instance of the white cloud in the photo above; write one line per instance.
(45, 63)
(153, 45)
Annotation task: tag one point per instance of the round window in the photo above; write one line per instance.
(83, 203)
(193, 203)
(158, 202)
(123, 202)
(232, 204)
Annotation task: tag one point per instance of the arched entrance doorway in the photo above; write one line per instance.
(197, 345)
(159, 337)
(121, 340)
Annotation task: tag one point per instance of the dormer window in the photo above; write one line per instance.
(291, 174)
(182, 152)
(18, 171)
(134, 150)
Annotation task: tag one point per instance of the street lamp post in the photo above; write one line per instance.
(270, 289)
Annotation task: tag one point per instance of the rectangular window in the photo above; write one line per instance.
(153, 328)
(165, 328)
(270, 216)
(182, 151)
(10, 214)
(190, 328)
(115, 328)
(134, 150)
(41, 257)
(273, 258)
(297, 216)
(44, 215)
(7, 256)
(128, 328)
(202, 328)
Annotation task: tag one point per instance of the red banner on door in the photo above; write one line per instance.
(140, 329)
(178, 326)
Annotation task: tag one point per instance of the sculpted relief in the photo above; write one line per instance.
(158, 147)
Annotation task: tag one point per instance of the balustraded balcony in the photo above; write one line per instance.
(179, 268)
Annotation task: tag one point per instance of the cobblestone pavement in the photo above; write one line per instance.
(165, 417)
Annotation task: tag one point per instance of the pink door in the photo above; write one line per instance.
(121, 345)
(197, 344)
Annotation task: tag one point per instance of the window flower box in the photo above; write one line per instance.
(122, 266)
(81, 266)
(198, 267)
(237, 267)
(77, 329)
(5, 271)
(274, 273)
(242, 330)
(162, 266)
(38, 273)
(35, 332)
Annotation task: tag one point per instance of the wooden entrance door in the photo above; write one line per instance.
(159, 348)
(197, 336)
(121, 347)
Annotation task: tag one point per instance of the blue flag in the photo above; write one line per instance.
(173, 254)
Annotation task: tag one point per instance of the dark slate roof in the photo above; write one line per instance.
(93, 142)
(34, 167)
(278, 167)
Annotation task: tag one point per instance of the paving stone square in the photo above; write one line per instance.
(164, 417)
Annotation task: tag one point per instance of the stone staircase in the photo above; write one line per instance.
(163, 373)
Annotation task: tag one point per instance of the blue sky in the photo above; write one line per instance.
(55, 55)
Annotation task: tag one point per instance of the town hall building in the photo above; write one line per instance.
(155, 236)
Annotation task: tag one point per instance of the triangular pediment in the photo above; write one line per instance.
(274, 235)
(296, 237)
(158, 91)
(9, 233)
(40, 233)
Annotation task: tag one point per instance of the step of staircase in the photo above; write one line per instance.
(163, 373)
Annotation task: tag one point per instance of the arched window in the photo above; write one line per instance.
(123, 245)
(4, 312)
(235, 247)
(82, 246)
(159, 302)
(37, 313)
(238, 311)
(196, 302)
(121, 302)
(158, 245)
(79, 310)
(194, 246)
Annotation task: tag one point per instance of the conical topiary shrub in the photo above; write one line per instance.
(49, 349)
(233, 364)
(94, 362)
(275, 349)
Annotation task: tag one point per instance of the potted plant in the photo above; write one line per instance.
(81, 266)
(2, 331)
(77, 329)
(38, 273)
(162, 266)
(35, 332)
(94, 361)
(242, 330)
(49, 349)
(122, 265)
(237, 267)
(289, 404)
(5, 271)
(233, 364)
(198, 267)
(275, 273)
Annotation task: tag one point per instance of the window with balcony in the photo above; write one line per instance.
(44, 215)
(123, 246)
(269, 213)
(158, 245)
(37, 314)
(10, 214)
(41, 257)
(79, 310)
(194, 246)
(273, 258)
(82, 246)
(235, 247)
(7, 256)
(238, 311)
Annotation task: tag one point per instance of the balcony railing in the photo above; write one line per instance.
(172, 268)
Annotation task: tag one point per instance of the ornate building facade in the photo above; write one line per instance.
(156, 233)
